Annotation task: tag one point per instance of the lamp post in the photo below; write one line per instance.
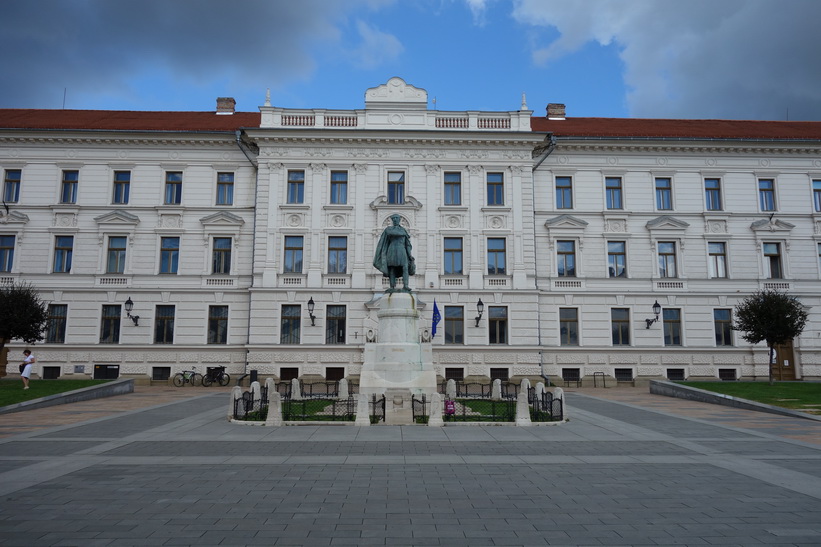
(311, 306)
(656, 312)
(480, 307)
(129, 305)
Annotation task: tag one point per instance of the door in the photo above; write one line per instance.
(784, 366)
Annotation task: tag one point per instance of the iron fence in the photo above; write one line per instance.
(318, 409)
(420, 409)
(376, 409)
(249, 409)
(480, 410)
(546, 408)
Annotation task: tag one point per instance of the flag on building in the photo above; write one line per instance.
(436, 318)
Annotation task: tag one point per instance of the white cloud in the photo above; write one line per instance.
(377, 47)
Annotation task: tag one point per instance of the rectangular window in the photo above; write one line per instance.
(115, 262)
(497, 324)
(293, 254)
(723, 326)
(290, 324)
(495, 189)
(454, 325)
(712, 194)
(338, 254)
(667, 259)
(664, 193)
(816, 195)
(453, 188)
(68, 186)
(766, 194)
(496, 255)
(164, 324)
(217, 324)
(718, 259)
(453, 256)
(566, 258)
(56, 323)
(672, 327)
(613, 193)
(122, 187)
(339, 187)
(564, 193)
(6, 252)
(296, 186)
(616, 259)
(169, 255)
(620, 326)
(225, 188)
(772, 261)
(569, 326)
(63, 249)
(221, 256)
(110, 324)
(11, 185)
(396, 187)
(335, 325)
(173, 187)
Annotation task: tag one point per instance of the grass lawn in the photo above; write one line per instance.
(803, 396)
(12, 392)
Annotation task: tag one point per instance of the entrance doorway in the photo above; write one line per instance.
(784, 366)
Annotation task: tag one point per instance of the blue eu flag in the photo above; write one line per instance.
(436, 318)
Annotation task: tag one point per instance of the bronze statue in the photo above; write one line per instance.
(393, 254)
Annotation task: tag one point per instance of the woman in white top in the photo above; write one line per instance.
(26, 364)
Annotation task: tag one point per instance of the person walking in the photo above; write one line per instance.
(25, 368)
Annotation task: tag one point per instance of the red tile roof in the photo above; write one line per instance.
(123, 120)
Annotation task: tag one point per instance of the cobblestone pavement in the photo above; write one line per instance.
(629, 468)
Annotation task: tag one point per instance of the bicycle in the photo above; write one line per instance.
(187, 377)
(216, 374)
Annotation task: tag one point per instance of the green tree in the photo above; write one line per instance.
(22, 315)
(772, 317)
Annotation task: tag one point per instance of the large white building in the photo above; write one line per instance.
(221, 227)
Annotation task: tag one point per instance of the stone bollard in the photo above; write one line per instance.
(522, 409)
(436, 409)
(363, 417)
(274, 408)
(256, 391)
(558, 393)
(539, 390)
(343, 389)
(496, 391)
(524, 385)
(296, 390)
(236, 393)
(450, 390)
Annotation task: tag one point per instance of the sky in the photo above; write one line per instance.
(727, 59)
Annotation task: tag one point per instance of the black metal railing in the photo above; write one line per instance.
(250, 409)
(480, 410)
(546, 408)
(376, 409)
(420, 409)
(321, 390)
(318, 409)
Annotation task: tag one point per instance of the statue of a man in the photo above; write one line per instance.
(393, 254)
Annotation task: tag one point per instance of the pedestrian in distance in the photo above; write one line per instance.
(25, 368)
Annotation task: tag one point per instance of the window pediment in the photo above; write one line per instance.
(770, 225)
(410, 203)
(667, 223)
(12, 217)
(222, 219)
(565, 222)
(117, 218)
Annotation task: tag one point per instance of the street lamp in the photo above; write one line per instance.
(480, 307)
(129, 305)
(311, 306)
(656, 311)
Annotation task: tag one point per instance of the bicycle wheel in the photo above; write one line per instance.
(206, 381)
(196, 379)
(224, 379)
(179, 379)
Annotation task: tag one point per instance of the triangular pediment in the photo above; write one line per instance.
(222, 218)
(771, 225)
(13, 217)
(667, 222)
(410, 203)
(565, 221)
(116, 218)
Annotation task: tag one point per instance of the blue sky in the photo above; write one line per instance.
(735, 59)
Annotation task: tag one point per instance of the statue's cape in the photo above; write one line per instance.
(380, 260)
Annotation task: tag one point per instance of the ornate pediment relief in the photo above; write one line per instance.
(117, 218)
(382, 201)
(667, 222)
(565, 221)
(222, 219)
(771, 225)
(12, 217)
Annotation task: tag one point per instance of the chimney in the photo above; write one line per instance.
(225, 105)
(555, 111)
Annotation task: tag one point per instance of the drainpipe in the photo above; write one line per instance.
(242, 147)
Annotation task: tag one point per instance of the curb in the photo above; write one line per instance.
(109, 389)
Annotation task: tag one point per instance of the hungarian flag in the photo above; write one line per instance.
(436, 318)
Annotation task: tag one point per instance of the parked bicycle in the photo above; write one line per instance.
(187, 377)
(216, 375)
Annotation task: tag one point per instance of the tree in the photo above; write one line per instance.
(771, 317)
(22, 315)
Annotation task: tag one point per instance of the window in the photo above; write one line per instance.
(453, 188)
(672, 327)
(396, 187)
(766, 194)
(225, 188)
(723, 326)
(496, 256)
(338, 254)
(816, 195)
(173, 187)
(68, 187)
(63, 249)
(56, 323)
(169, 254)
(339, 187)
(296, 186)
(164, 325)
(718, 259)
(664, 193)
(453, 255)
(497, 324)
(495, 189)
(620, 326)
(667, 259)
(217, 324)
(110, 324)
(290, 324)
(564, 193)
(115, 262)
(712, 194)
(568, 326)
(335, 325)
(613, 195)
(616, 259)
(454, 325)
(499, 373)
(122, 187)
(454, 373)
(11, 185)
(566, 258)
(293, 254)
(772, 261)
(6, 253)
(221, 259)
